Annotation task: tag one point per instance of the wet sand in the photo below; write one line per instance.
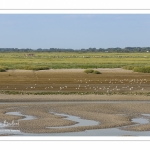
(107, 114)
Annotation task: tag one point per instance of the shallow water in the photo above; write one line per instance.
(80, 121)
(140, 120)
(27, 117)
(146, 115)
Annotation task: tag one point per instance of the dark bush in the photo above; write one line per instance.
(96, 72)
(2, 69)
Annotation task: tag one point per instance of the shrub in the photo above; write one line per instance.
(142, 69)
(40, 68)
(89, 71)
(2, 69)
(96, 72)
(92, 71)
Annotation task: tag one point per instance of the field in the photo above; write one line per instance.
(59, 60)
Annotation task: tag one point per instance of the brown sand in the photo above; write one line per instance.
(42, 98)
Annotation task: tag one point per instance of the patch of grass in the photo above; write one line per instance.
(96, 72)
(58, 60)
(128, 67)
(72, 93)
(89, 71)
(92, 71)
(37, 68)
(3, 69)
(142, 69)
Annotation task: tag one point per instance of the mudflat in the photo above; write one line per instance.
(107, 114)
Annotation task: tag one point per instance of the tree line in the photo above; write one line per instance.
(109, 50)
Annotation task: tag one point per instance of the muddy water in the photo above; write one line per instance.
(96, 132)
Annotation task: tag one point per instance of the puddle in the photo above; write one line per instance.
(80, 121)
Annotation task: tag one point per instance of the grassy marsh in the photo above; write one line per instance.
(58, 60)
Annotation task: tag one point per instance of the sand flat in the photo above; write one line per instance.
(92, 97)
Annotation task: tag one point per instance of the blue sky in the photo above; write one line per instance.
(74, 30)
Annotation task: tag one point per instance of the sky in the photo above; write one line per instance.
(74, 31)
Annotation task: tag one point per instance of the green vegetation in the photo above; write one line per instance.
(92, 71)
(3, 69)
(128, 67)
(142, 69)
(138, 69)
(72, 93)
(96, 72)
(36, 68)
(89, 71)
(58, 60)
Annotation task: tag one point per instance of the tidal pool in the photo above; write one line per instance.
(80, 121)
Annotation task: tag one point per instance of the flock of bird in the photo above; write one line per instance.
(87, 85)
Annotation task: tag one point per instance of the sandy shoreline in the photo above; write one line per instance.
(27, 98)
